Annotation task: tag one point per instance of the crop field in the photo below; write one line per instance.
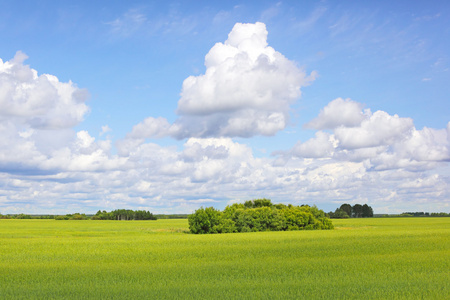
(391, 258)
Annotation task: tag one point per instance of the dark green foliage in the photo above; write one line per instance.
(441, 214)
(45, 217)
(118, 214)
(172, 216)
(257, 215)
(367, 211)
(22, 216)
(124, 214)
(417, 214)
(347, 208)
(355, 211)
(78, 216)
(338, 214)
(75, 216)
(25, 216)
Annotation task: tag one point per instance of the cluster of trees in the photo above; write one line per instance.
(124, 214)
(440, 214)
(355, 211)
(257, 215)
(75, 216)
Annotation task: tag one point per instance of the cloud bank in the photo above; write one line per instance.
(356, 155)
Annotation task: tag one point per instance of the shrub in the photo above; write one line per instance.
(78, 216)
(257, 215)
(205, 220)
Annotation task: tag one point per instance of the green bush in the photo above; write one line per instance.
(205, 220)
(78, 216)
(257, 215)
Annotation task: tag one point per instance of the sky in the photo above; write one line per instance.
(169, 106)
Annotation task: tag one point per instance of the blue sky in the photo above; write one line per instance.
(168, 106)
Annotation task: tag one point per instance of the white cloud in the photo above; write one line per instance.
(247, 85)
(150, 127)
(426, 145)
(322, 146)
(379, 140)
(84, 140)
(165, 179)
(37, 114)
(38, 101)
(339, 112)
(376, 130)
(247, 90)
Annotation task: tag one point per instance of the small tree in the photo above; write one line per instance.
(367, 211)
(357, 211)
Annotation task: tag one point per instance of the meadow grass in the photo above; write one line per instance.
(393, 258)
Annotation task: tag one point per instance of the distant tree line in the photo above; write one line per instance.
(416, 214)
(419, 214)
(124, 215)
(26, 216)
(173, 216)
(118, 214)
(440, 214)
(355, 211)
(257, 215)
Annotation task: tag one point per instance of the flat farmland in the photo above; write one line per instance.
(386, 258)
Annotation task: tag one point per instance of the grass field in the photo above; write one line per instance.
(392, 258)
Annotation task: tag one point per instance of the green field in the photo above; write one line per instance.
(392, 258)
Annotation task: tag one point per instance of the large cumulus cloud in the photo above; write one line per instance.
(243, 73)
(247, 90)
